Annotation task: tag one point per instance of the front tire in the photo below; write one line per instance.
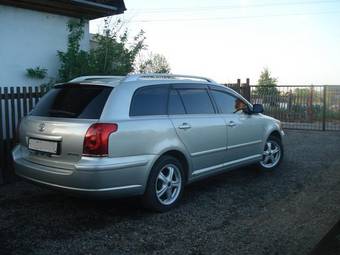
(165, 185)
(272, 154)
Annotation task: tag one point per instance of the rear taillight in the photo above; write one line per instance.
(96, 142)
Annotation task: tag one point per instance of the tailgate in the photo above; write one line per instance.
(53, 133)
(54, 142)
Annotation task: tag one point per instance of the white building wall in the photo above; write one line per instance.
(29, 39)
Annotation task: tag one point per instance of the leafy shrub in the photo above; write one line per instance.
(36, 73)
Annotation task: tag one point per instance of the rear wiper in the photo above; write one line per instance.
(67, 113)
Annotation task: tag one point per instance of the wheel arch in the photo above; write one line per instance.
(178, 154)
(276, 134)
(273, 130)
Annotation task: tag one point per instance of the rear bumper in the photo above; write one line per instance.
(121, 191)
(91, 177)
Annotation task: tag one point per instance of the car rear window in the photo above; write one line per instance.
(73, 101)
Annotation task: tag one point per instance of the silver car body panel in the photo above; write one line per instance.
(210, 145)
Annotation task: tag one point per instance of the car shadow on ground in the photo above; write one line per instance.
(49, 200)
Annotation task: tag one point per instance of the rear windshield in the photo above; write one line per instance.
(73, 101)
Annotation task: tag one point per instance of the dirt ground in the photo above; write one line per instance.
(241, 212)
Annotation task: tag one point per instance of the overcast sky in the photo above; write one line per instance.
(299, 41)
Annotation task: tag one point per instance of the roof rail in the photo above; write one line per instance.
(97, 78)
(136, 77)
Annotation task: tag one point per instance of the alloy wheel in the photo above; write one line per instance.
(271, 154)
(168, 184)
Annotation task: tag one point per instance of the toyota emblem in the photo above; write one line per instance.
(42, 127)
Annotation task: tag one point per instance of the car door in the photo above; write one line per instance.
(201, 130)
(244, 131)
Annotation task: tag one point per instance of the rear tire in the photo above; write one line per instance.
(272, 154)
(165, 185)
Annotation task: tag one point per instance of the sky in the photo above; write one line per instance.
(298, 41)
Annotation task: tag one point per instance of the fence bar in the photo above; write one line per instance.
(19, 115)
(36, 93)
(30, 99)
(12, 110)
(7, 134)
(24, 100)
(324, 108)
(2, 151)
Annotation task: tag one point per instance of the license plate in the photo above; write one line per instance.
(43, 145)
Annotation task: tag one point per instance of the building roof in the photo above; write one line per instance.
(88, 9)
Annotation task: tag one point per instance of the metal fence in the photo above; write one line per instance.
(301, 107)
(298, 107)
(15, 102)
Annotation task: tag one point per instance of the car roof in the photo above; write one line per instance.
(151, 78)
(141, 80)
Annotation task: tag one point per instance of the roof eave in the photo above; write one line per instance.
(73, 8)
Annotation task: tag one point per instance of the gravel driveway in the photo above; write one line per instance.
(240, 212)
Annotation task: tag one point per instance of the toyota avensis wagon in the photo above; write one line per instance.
(143, 135)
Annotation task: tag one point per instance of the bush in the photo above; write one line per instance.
(113, 55)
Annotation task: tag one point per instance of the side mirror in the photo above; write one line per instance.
(257, 108)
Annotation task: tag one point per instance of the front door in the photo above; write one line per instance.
(244, 131)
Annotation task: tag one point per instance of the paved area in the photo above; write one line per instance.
(240, 212)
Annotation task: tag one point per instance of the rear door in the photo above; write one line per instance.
(245, 131)
(199, 127)
(53, 133)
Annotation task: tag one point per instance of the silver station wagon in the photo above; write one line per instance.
(147, 135)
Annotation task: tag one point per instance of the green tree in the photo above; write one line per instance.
(156, 63)
(267, 87)
(266, 80)
(74, 61)
(302, 92)
(114, 54)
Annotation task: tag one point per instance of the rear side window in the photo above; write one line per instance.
(175, 103)
(150, 100)
(196, 101)
(73, 101)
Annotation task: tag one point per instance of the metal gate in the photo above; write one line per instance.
(301, 107)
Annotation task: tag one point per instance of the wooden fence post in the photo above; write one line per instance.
(245, 89)
(238, 83)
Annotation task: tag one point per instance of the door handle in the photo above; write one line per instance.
(231, 124)
(184, 126)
